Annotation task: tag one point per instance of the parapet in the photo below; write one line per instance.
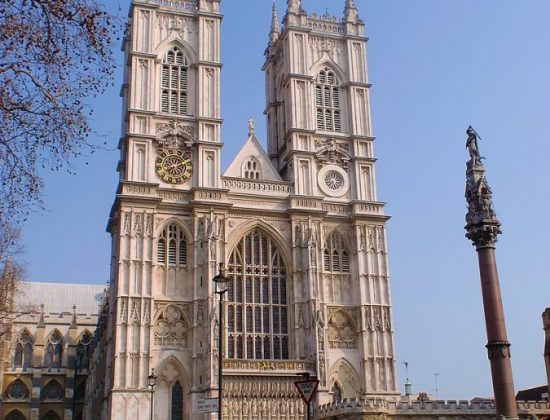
(367, 407)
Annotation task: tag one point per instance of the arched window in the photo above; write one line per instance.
(17, 390)
(53, 391)
(177, 402)
(257, 300)
(327, 101)
(54, 351)
(174, 82)
(51, 415)
(335, 255)
(15, 415)
(18, 356)
(22, 356)
(172, 247)
(251, 169)
(83, 351)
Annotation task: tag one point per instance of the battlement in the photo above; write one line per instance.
(370, 406)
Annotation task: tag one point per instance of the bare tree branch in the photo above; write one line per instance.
(55, 56)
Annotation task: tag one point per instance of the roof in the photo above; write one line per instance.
(532, 394)
(59, 297)
(252, 149)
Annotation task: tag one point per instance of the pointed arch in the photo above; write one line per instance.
(51, 415)
(171, 326)
(344, 375)
(172, 243)
(257, 298)
(247, 227)
(328, 101)
(342, 330)
(172, 394)
(15, 415)
(83, 351)
(17, 390)
(336, 253)
(325, 63)
(175, 41)
(53, 354)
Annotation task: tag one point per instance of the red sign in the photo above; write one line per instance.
(307, 388)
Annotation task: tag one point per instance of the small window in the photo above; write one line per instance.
(172, 246)
(335, 256)
(251, 169)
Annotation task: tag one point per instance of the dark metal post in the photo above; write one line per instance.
(152, 381)
(220, 282)
(483, 227)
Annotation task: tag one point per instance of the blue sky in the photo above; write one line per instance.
(436, 67)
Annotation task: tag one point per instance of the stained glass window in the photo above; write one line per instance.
(257, 312)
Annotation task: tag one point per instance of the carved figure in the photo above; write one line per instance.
(471, 145)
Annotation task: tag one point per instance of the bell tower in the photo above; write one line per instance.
(171, 130)
(320, 140)
(318, 104)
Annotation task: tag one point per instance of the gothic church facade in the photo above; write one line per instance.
(298, 228)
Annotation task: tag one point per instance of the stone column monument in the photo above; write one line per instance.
(546, 324)
(482, 228)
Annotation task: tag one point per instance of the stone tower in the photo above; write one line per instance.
(320, 140)
(299, 228)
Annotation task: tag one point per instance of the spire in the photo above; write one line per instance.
(274, 34)
(350, 12)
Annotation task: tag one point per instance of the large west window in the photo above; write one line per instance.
(174, 82)
(257, 311)
(327, 100)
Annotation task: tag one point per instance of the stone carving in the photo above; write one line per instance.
(171, 328)
(331, 152)
(482, 225)
(175, 135)
(341, 330)
(123, 311)
(471, 145)
(127, 225)
(146, 318)
(387, 319)
(135, 315)
(138, 224)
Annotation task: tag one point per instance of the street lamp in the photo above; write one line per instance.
(151, 381)
(220, 283)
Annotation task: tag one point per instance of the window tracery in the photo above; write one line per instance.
(257, 300)
(341, 331)
(83, 352)
(327, 100)
(172, 246)
(53, 391)
(171, 327)
(54, 351)
(23, 350)
(17, 390)
(174, 82)
(335, 255)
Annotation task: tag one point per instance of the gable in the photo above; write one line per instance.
(252, 163)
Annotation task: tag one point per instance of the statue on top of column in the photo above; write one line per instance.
(471, 145)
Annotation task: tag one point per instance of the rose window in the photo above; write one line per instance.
(334, 180)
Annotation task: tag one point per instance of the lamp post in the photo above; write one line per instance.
(152, 381)
(220, 283)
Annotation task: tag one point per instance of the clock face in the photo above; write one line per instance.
(174, 166)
